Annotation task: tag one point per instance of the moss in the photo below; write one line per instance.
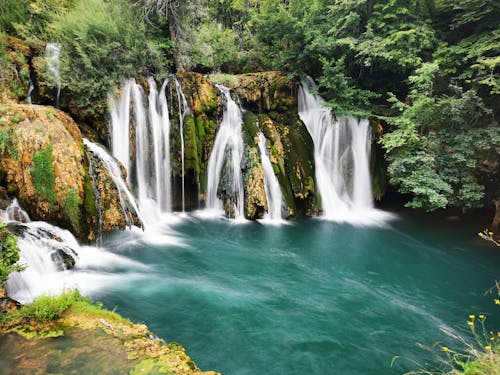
(43, 174)
(192, 161)
(89, 197)
(71, 208)
(223, 79)
(250, 128)
(16, 119)
(91, 328)
(50, 114)
(151, 366)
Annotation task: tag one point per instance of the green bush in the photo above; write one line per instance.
(48, 308)
(9, 255)
(43, 174)
(102, 43)
(13, 12)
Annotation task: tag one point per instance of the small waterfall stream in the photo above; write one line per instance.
(127, 200)
(183, 111)
(341, 156)
(226, 157)
(30, 92)
(52, 57)
(271, 184)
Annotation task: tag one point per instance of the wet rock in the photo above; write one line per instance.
(62, 258)
(7, 304)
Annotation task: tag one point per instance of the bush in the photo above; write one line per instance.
(13, 12)
(102, 43)
(9, 255)
(43, 174)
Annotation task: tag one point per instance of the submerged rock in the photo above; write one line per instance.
(62, 258)
(98, 341)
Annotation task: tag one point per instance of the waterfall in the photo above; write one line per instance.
(227, 153)
(183, 110)
(125, 196)
(120, 125)
(341, 156)
(151, 169)
(271, 184)
(15, 213)
(52, 57)
(30, 91)
(54, 261)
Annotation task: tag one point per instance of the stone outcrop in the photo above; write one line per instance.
(44, 164)
(269, 101)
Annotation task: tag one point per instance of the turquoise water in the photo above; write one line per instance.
(313, 297)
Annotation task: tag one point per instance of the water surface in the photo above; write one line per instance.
(312, 297)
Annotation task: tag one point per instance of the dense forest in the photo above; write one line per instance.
(427, 72)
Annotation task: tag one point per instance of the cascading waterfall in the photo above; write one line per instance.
(48, 252)
(151, 169)
(228, 148)
(14, 212)
(52, 57)
(183, 110)
(126, 197)
(341, 156)
(271, 184)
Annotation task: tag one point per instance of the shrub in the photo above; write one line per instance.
(9, 255)
(102, 43)
(43, 174)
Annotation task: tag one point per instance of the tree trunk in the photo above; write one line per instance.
(496, 220)
(172, 27)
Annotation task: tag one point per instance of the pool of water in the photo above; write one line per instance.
(311, 297)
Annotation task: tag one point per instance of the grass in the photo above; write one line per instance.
(43, 317)
(481, 357)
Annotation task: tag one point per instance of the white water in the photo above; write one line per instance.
(152, 168)
(52, 57)
(30, 91)
(44, 274)
(15, 213)
(126, 197)
(120, 125)
(271, 184)
(183, 110)
(228, 147)
(341, 157)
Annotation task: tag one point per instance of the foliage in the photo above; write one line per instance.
(479, 357)
(9, 255)
(43, 174)
(71, 208)
(13, 12)
(7, 142)
(103, 43)
(437, 144)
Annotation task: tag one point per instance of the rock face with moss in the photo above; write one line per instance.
(44, 164)
(269, 101)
